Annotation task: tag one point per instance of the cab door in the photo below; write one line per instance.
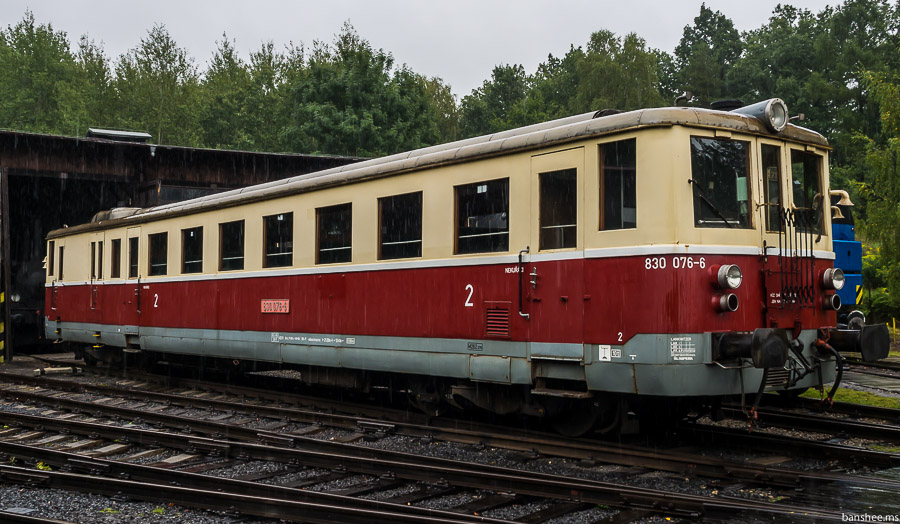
(96, 277)
(554, 273)
(132, 292)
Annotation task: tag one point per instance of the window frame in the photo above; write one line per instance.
(772, 208)
(320, 211)
(62, 251)
(457, 218)
(545, 177)
(420, 209)
(152, 251)
(134, 261)
(696, 191)
(602, 183)
(51, 257)
(289, 221)
(115, 262)
(243, 242)
(184, 250)
(820, 184)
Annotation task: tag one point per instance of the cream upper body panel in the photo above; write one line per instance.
(664, 211)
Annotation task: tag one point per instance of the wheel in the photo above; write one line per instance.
(791, 394)
(577, 417)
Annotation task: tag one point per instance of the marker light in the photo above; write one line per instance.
(834, 278)
(730, 276)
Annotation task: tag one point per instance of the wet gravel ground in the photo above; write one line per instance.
(89, 508)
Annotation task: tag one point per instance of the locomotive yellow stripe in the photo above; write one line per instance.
(859, 294)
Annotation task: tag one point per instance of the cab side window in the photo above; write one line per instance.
(720, 183)
(618, 185)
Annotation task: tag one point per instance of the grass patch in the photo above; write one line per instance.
(851, 396)
(887, 449)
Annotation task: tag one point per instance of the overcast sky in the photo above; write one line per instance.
(459, 41)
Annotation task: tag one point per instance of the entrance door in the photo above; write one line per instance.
(554, 273)
(132, 271)
(96, 277)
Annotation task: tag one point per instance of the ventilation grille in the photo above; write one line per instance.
(497, 323)
(777, 377)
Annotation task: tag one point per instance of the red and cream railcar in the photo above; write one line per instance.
(671, 252)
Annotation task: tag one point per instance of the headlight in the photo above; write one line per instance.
(777, 114)
(772, 113)
(834, 278)
(730, 276)
(15, 297)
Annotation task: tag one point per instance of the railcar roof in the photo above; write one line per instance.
(554, 132)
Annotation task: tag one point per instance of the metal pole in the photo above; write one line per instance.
(5, 325)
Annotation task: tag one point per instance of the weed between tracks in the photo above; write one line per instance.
(852, 396)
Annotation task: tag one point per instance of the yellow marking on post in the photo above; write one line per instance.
(2, 297)
(859, 291)
(2, 327)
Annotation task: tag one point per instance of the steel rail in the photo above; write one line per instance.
(376, 462)
(210, 499)
(844, 408)
(881, 364)
(796, 446)
(550, 445)
(73, 462)
(819, 423)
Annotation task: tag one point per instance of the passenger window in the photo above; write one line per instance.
(482, 217)
(133, 243)
(806, 182)
(115, 267)
(720, 183)
(61, 252)
(231, 246)
(559, 209)
(192, 250)
(771, 169)
(51, 256)
(158, 254)
(333, 227)
(93, 260)
(618, 185)
(400, 226)
(100, 260)
(278, 231)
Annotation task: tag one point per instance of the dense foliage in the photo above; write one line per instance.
(839, 67)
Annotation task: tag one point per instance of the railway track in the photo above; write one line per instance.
(223, 434)
(506, 485)
(535, 444)
(862, 366)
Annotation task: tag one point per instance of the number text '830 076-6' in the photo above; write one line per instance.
(676, 262)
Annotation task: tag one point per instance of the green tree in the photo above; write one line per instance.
(705, 53)
(350, 100)
(39, 84)
(223, 93)
(157, 88)
(617, 73)
(882, 189)
(491, 107)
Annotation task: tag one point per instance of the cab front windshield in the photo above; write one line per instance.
(721, 186)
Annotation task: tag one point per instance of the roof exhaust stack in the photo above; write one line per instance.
(772, 113)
